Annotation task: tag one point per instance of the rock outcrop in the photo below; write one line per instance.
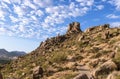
(98, 28)
(74, 28)
(37, 72)
(114, 75)
(105, 68)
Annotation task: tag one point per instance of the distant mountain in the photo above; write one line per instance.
(4, 54)
(17, 53)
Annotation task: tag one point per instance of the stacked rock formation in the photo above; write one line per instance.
(74, 27)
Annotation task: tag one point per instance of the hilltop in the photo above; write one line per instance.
(92, 54)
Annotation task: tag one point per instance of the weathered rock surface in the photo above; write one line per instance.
(37, 72)
(74, 28)
(105, 68)
(114, 75)
(98, 28)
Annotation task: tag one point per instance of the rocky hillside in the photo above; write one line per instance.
(92, 54)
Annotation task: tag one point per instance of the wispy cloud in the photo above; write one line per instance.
(19, 10)
(7, 1)
(116, 3)
(2, 30)
(112, 16)
(2, 14)
(100, 7)
(43, 3)
(85, 2)
(115, 24)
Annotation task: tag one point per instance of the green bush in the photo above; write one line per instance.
(83, 43)
(58, 57)
(112, 41)
(117, 58)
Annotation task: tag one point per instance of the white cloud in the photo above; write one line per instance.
(85, 2)
(1, 23)
(100, 7)
(43, 3)
(13, 19)
(39, 13)
(2, 14)
(112, 16)
(116, 3)
(7, 1)
(57, 14)
(40, 18)
(16, 1)
(19, 11)
(5, 7)
(72, 5)
(56, 9)
(34, 18)
(115, 24)
(2, 30)
(22, 29)
(24, 21)
(29, 4)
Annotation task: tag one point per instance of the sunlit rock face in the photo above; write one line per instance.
(74, 27)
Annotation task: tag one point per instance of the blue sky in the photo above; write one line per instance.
(25, 23)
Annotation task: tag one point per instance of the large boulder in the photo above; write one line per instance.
(114, 75)
(105, 68)
(81, 76)
(74, 28)
(37, 72)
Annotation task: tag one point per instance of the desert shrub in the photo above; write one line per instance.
(98, 38)
(104, 52)
(79, 57)
(9, 68)
(93, 50)
(83, 43)
(3, 61)
(62, 69)
(97, 55)
(58, 57)
(118, 77)
(69, 76)
(116, 59)
(112, 41)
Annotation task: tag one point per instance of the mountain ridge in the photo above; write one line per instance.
(4, 54)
